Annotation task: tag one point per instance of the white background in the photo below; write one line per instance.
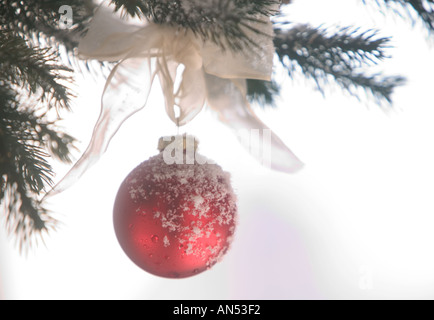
(356, 223)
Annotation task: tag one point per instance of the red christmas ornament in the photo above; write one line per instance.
(175, 220)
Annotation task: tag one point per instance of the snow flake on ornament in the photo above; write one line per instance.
(210, 75)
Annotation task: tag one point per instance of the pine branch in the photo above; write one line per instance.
(423, 9)
(29, 73)
(35, 69)
(224, 22)
(339, 56)
(262, 92)
(24, 169)
(40, 20)
(25, 218)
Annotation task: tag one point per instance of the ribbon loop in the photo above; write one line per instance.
(227, 97)
(126, 92)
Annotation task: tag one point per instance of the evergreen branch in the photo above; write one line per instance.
(30, 39)
(322, 56)
(24, 170)
(224, 22)
(33, 68)
(22, 153)
(58, 143)
(262, 92)
(45, 134)
(40, 20)
(24, 173)
(26, 218)
(424, 9)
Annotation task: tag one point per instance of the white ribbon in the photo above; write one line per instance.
(210, 75)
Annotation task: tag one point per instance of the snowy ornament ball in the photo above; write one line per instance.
(175, 214)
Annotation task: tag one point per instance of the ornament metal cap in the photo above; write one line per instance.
(183, 141)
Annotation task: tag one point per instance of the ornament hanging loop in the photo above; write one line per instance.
(177, 111)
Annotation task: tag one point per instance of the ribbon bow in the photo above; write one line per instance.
(210, 75)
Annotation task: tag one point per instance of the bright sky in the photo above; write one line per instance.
(355, 223)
